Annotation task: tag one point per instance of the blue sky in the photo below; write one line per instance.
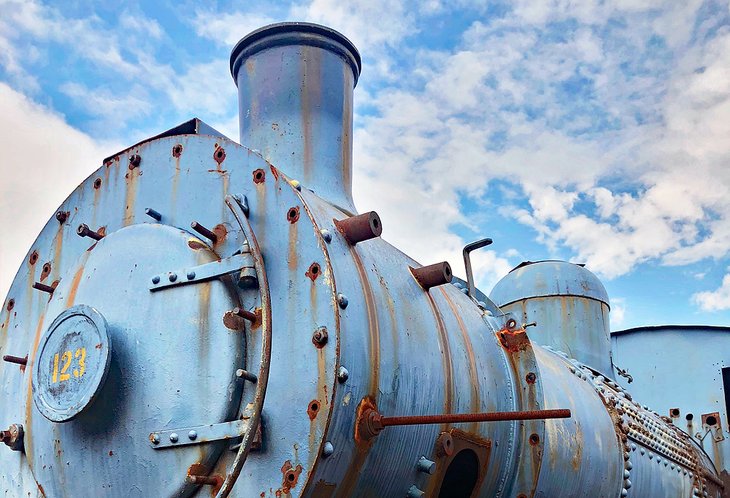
(593, 131)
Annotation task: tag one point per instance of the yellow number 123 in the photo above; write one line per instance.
(66, 359)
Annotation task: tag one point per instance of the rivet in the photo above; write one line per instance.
(627, 474)
(627, 484)
(342, 301)
(172, 277)
(173, 437)
(156, 279)
(191, 275)
(326, 235)
(327, 450)
(192, 435)
(155, 438)
(342, 375)
(624, 493)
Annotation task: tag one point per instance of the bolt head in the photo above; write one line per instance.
(328, 449)
(342, 375)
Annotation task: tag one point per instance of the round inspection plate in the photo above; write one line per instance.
(72, 363)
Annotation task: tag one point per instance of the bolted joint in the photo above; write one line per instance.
(84, 231)
(320, 337)
(13, 437)
(432, 275)
(370, 424)
(360, 228)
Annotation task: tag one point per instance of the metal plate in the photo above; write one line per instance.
(72, 364)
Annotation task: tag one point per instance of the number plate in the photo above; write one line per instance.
(72, 363)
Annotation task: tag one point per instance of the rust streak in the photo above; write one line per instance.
(473, 370)
(373, 326)
(446, 356)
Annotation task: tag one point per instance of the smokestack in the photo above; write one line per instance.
(295, 84)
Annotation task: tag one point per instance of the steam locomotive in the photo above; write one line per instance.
(201, 318)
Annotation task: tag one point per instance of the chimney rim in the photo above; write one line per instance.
(295, 33)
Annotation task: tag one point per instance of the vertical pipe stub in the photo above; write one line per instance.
(295, 87)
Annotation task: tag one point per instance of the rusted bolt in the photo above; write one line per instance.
(259, 176)
(320, 337)
(219, 155)
(531, 378)
(177, 150)
(248, 315)
(208, 234)
(445, 444)
(360, 228)
(210, 481)
(314, 271)
(292, 215)
(291, 476)
(313, 409)
(13, 437)
(97, 183)
(432, 275)
(16, 359)
(534, 439)
(43, 287)
(153, 214)
(134, 161)
(11, 305)
(61, 216)
(84, 231)
(33, 258)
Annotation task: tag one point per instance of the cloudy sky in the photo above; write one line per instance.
(592, 131)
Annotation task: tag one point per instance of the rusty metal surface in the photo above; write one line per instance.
(566, 305)
(681, 367)
(327, 324)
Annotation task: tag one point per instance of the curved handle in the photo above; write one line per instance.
(239, 208)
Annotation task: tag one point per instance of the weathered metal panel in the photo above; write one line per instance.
(565, 306)
(677, 370)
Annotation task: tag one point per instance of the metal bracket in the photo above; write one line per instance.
(202, 273)
(198, 434)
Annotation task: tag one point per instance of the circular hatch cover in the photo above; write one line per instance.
(73, 361)
(171, 364)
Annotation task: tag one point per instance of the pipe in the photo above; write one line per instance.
(295, 87)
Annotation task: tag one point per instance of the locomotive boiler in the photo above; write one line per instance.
(201, 318)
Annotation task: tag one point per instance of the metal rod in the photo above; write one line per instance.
(84, 231)
(211, 481)
(204, 231)
(248, 315)
(467, 263)
(153, 214)
(43, 287)
(15, 359)
(457, 418)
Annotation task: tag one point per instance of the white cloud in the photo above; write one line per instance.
(39, 150)
(618, 312)
(716, 300)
